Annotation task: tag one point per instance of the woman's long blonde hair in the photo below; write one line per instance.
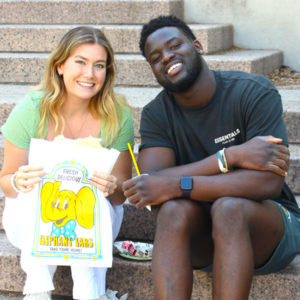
(105, 105)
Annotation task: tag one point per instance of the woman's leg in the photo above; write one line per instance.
(89, 282)
(39, 277)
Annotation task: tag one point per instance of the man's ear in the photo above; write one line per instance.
(199, 47)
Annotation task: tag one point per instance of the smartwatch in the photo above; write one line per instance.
(186, 185)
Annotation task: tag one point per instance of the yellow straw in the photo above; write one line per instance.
(133, 159)
(136, 167)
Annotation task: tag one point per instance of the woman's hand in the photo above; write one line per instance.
(27, 177)
(105, 183)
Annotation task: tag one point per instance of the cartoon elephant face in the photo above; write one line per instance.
(63, 206)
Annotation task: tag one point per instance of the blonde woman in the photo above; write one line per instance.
(75, 98)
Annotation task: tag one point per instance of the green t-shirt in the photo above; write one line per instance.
(23, 123)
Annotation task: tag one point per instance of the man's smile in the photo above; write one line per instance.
(174, 69)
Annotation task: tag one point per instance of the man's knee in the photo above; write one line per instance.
(228, 215)
(177, 215)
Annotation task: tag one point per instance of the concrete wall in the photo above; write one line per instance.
(258, 24)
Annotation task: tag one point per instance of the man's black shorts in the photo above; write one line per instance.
(287, 249)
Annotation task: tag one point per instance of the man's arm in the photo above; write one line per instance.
(260, 153)
(255, 185)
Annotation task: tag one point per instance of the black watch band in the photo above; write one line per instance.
(186, 194)
(186, 185)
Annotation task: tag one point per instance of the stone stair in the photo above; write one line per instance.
(30, 29)
(133, 70)
(124, 38)
(86, 12)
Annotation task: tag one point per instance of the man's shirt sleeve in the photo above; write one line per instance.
(153, 130)
(263, 116)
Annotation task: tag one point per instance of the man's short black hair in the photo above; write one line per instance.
(160, 22)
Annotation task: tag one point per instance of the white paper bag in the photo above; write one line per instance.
(68, 219)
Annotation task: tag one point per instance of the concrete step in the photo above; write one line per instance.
(2, 205)
(139, 97)
(289, 87)
(293, 176)
(134, 277)
(133, 70)
(291, 113)
(20, 296)
(86, 11)
(124, 38)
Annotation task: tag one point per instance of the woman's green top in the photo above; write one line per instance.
(23, 124)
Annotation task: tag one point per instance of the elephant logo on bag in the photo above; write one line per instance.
(64, 207)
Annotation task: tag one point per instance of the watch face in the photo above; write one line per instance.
(186, 183)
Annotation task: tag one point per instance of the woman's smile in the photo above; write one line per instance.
(84, 72)
(85, 84)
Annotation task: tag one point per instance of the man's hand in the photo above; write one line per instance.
(263, 154)
(151, 190)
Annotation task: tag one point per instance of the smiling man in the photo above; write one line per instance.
(216, 170)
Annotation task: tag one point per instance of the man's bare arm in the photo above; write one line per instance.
(248, 184)
(261, 153)
(209, 183)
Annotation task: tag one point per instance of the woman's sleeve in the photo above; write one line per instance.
(19, 127)
(126, 132)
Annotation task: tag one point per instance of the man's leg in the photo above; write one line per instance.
(183, 239)
(246, 234)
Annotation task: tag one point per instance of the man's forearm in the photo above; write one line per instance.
(205, 167)
(242, 183)
(256, 154)
(253, 185)
(260, 167)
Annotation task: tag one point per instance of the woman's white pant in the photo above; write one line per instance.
(88, 282)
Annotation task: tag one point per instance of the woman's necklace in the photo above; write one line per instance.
(80, 127)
